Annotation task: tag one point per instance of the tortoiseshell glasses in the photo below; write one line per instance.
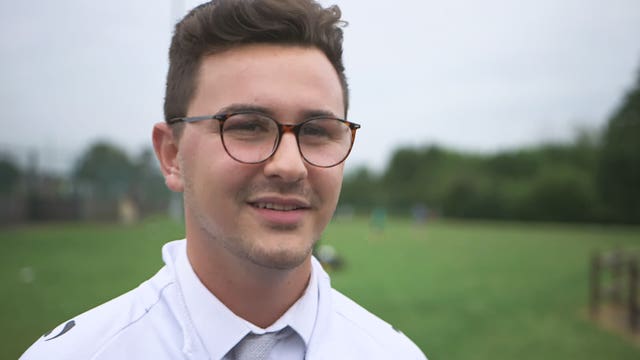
(252, 137)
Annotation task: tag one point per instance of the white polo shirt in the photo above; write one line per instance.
(173, 316)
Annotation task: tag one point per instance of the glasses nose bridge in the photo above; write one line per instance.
(288, 128)
(283, 129)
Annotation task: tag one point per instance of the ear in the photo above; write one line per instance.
(166, 148)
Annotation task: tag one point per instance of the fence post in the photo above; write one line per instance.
(594, 282)
(617, 272)
(634, 306)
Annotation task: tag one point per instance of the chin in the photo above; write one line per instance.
(282, 258)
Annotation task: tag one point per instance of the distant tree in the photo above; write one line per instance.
(106, 169)
(361, 189)
(519, 164)
(401, 179)
(558, 193)
(9, 176)
(402, 168)
(463, 199)
(147, 183)
(422, 175)
(552, 182)
(619, 165)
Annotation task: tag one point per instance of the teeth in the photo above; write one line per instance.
(278, 207)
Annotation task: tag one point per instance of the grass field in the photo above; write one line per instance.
(460, 290)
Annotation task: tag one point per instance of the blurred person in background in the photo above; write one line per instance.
(255, 138)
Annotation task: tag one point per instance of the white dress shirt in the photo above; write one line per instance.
(173, 316)
(228, 329)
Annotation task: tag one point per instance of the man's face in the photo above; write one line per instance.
(273, 212)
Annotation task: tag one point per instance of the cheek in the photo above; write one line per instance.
(329, 184)
(212, 179)
(224, 182)
(217, 193)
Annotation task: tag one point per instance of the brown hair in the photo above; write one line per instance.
(222, 24)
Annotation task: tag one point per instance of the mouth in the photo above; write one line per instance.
(277, 206)
(279, 203)
(280, 211)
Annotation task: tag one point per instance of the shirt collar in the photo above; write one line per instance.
(220, 329)
(301, 316)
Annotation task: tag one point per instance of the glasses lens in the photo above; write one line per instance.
(324, 142)
(250, 137)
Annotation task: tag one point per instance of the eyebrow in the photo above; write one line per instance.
(267, 111)
(246, 107)
(318, 113)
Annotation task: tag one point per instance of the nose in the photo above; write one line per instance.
(287, 162)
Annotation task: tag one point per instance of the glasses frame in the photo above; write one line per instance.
(282, 129)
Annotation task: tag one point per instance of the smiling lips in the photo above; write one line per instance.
(275, 206)
(280, 211)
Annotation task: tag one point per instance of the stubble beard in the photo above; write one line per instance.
(268, 256)
(272, 254)
(280, 256)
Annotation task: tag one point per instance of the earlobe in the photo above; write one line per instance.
(166, 149)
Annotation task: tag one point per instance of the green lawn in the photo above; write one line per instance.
(460, 290)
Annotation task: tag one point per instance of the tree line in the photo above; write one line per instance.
(594, 178)
(107, 173)
(101, 180)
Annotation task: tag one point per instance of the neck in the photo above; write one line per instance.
(255, 293)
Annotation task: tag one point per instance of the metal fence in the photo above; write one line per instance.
(614, 282)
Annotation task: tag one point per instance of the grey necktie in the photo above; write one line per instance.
(257, 347)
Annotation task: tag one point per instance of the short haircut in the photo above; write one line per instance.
(219, 25)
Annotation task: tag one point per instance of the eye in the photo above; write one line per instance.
(324, 129)
(249, 124)
(318, 128)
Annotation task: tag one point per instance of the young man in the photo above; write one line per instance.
(255, 138)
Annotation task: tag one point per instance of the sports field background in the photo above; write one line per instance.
(460, 290)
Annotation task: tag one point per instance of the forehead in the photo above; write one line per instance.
(281, 78)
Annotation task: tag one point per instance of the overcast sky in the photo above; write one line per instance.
(472, 75)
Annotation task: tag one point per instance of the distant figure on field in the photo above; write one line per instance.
(420, 214)
(328, 257)
(378, 220)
